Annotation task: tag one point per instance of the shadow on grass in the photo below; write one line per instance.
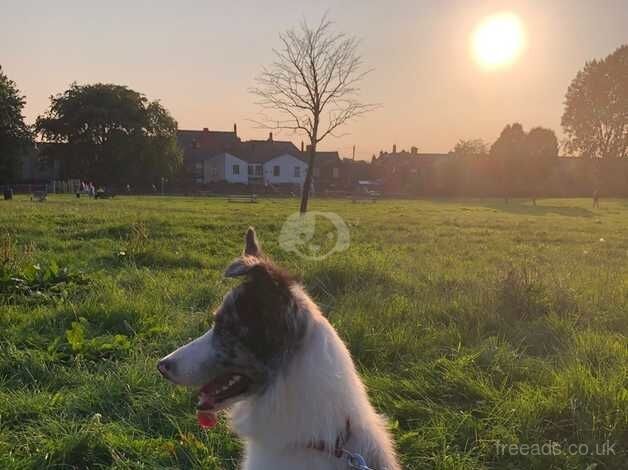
(525, 207)
(153, 259)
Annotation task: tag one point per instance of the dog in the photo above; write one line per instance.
(275, 363)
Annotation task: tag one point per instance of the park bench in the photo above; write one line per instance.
(242, 198)
(39, 196)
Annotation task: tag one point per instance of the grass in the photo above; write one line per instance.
(474, 324)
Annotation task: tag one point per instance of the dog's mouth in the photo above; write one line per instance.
(213, 396)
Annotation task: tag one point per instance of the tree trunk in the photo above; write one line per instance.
(305, 194)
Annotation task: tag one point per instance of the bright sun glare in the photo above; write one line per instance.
(498, 40)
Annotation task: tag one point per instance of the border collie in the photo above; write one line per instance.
(286, 378)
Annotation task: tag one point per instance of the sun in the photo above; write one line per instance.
(498, 40)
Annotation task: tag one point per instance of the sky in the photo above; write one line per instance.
(199, 59)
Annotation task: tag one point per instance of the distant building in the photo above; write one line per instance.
(201, 146)
(328, 170)
(405, 171)
(219, 156)
(352, 171)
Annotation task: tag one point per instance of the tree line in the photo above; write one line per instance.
(104, 133)
(519, 161)
(112, 134)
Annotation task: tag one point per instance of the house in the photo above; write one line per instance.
(406, 172)
(218, 156)
(224, 167)
(200, 147)
(352, 171)
(274, 162)
(327, 170)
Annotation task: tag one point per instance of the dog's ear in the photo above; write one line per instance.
(251, 257)
(261, 273)
(242, 266)
(251, 245)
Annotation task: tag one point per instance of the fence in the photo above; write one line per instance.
(25, 188)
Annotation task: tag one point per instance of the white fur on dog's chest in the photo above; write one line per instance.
(259, 458)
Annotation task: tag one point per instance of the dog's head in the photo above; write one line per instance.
(255, 331)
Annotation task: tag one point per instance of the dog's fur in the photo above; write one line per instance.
(303, 389)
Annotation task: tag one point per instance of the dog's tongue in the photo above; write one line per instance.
(205, 413)
(206, 418)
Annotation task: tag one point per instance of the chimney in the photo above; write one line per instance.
(381, 152)
(235, 129)
(301, 146)
(270, 136)
(394, 148)
(205, 129)
(414, 150)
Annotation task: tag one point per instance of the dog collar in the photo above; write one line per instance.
(338, 449)
(355, 461)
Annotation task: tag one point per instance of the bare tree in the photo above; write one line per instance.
(312, 86)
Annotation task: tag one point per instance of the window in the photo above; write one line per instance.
(213, 171)
(335, 173)
(255, 170)
(198, 171)
(297, 172)
(236, 169)
(276, 170)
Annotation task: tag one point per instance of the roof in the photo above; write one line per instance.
(327, 158)
(409, 157)
(204, 144)
(205, 136)
(262, 151)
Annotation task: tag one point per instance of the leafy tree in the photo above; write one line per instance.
(523, 160)
(112, 134)
(312, 86)
(471, 148)
(595, 118)
(15, 135)
(508, 153)
(541, 156)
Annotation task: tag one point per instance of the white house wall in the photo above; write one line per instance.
(230, 176)
(214, 169)
(286, 163)
(220, 168)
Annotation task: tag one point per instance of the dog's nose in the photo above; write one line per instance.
(165, 367)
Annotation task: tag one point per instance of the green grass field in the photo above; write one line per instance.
(473, 323)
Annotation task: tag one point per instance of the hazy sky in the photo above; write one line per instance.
(199, 58)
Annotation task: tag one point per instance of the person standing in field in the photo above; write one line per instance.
(596, 199)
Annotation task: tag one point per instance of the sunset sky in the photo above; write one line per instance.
(200, 57)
